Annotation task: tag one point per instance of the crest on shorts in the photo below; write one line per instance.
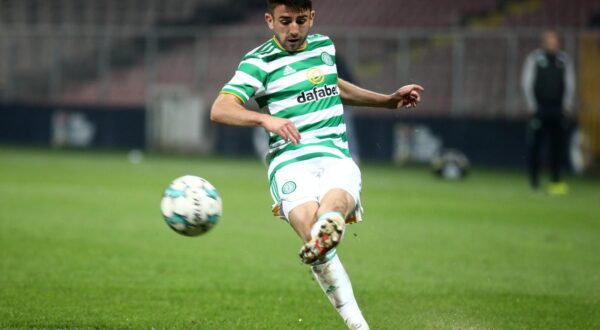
(288, 187)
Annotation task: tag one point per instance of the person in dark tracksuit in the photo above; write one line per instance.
(548, 81)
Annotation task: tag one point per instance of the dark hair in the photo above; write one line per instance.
(298, 5)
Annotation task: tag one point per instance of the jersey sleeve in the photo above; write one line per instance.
(527, 81)
(248, 80)
(569, 96)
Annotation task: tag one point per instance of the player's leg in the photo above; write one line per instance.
(335, 283)
(328, 270)
(534, 142)
(334, 208)
(341, 183)
(302, 218)
(556, 138)
(294, 189)
(299, 206)
(330, 273)
(337, 200)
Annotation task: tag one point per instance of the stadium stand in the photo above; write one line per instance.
(406, 13)
(59, 50)
(552, 14)
(38, 38)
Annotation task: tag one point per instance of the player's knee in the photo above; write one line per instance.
(302, 226)
(340, 205)
(302, 219)
(339, 201)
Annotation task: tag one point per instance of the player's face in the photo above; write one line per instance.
(550, 42)
(290, 27)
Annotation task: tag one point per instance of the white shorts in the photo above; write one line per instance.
(311, 179)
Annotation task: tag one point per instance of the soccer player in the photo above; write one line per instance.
(314, 182)
(548, 82)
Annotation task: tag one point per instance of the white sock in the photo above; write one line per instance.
(317, 225)
(334, 281)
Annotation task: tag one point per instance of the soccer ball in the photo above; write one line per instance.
(191, 206)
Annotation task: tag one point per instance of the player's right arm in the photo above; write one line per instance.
(228, 109)
(527, 81)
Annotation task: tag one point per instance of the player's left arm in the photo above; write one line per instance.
(569, 96)
(406, 97)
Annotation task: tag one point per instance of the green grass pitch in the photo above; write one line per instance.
(83, 245)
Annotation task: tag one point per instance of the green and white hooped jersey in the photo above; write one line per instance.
(301, 86)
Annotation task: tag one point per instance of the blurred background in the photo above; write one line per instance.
(99, 99)
(133, 74)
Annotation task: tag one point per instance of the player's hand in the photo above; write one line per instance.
(406, 97)
(282, 127)
(568, 113)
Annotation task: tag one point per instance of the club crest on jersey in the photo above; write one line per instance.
(327, 59)
(318, 93)
(315, 76)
